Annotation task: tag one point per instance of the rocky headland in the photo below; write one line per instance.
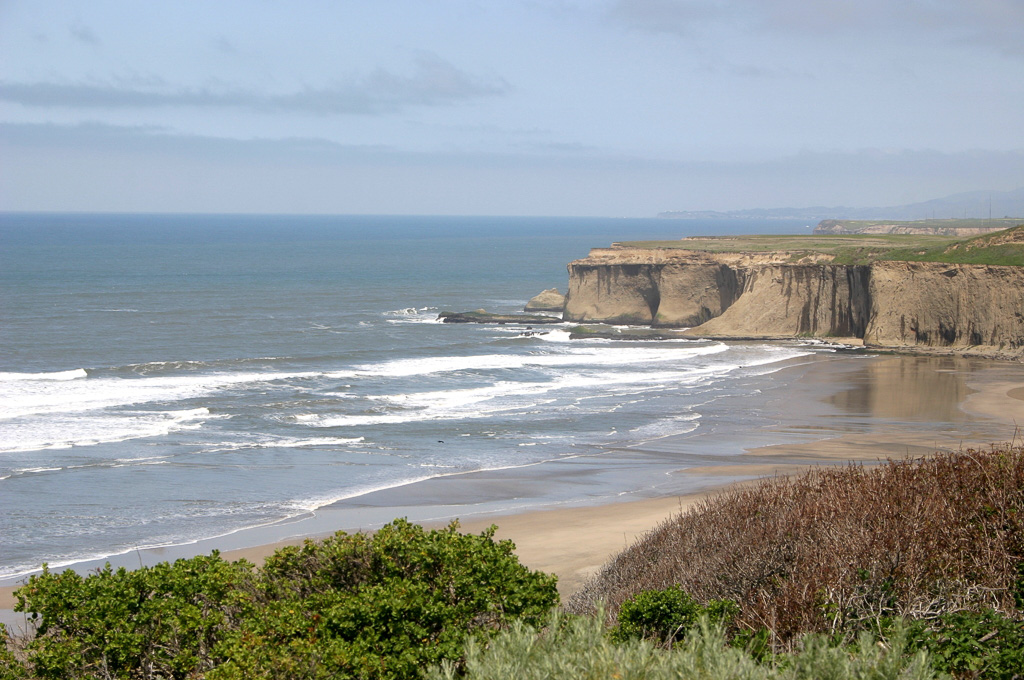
(786, 293)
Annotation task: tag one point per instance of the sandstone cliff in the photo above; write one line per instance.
(936, 305)
(887, 304)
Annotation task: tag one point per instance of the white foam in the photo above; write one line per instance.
(416, 319)
(288, 443)
(552, 336)
(505, 397)
(314, 503)
(73, 374)
(143, 369)
(89, 429)
(665, 427)
(410, 311)
(63, 395)
(321, 441)
(774, 355)
(586, 356)
(413, 315)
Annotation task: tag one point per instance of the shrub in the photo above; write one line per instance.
(383, 606)
(973, 644)
(841, 549)
(665, 616)
(11, 667)
(164, 620)
(367, 606)
(571, 648)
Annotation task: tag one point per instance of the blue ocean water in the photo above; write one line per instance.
(169, 378)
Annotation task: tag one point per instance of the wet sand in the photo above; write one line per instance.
(866, 410)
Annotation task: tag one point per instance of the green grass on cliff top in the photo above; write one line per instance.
(939, 225)
(997, 248)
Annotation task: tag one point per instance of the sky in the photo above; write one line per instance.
(506, 107)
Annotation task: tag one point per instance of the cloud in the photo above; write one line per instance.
(667, 16)
(158, 140)
(224, 46)
(434, 82)
(83, 33)
(991, 23)
(144, 138)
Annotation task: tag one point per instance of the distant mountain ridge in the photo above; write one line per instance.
(976, 204)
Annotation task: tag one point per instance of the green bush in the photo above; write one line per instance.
(166, 619)
(351, 606)
(665, 616)
(572, 648)
(973, 644)
(10, 667)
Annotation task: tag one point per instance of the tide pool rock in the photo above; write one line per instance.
(549, 300)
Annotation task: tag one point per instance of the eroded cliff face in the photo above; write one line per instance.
(889, 304)
(625, 293)
(797, 300)
(659, 294)
(940, 305)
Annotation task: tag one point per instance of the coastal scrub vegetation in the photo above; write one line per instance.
(569, 648)
(948, 226)
(909, 569)
(841, 550)
(351, 606)
(998, 248)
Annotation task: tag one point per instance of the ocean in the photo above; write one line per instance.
(169, 379)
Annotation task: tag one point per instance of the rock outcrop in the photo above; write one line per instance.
(767, 295)
(549, 300)
(483, 316)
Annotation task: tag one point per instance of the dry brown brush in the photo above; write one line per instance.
(840, 549)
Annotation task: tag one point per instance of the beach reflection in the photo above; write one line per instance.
(908, 388)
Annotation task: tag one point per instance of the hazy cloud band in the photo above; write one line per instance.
(434, 82)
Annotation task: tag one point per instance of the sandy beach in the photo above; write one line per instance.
(978, 403)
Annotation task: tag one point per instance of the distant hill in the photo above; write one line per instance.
(973, 204)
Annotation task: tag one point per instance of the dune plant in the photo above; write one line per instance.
(838, 550)
(350, 606)
(982, 644)
(11, 667)
(577, 647)
(665, 616)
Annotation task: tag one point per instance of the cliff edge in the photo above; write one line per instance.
(783, 293)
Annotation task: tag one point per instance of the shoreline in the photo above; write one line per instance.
(972, 396)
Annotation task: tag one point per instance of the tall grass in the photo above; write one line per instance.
(841, 549)
(578, 649)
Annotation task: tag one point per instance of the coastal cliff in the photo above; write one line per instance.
(782, 294)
